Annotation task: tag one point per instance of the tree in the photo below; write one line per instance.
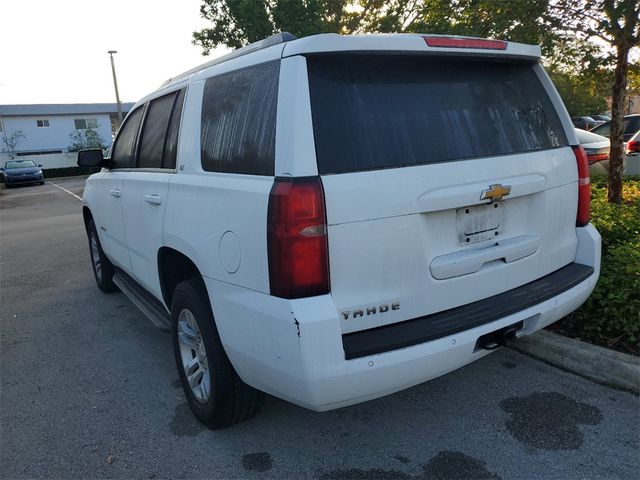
(581, 94)
(565, 29)
(615, 22)
(11, 142)
(634, 78)
(235, 23)
(85, 138)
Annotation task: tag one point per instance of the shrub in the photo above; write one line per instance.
(611, 315)
(618, 224)
(85, 138)
(69, 172)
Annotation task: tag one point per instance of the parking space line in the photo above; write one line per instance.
(64, 190)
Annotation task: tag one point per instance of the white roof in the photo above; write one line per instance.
(332, 42)
(282, 45)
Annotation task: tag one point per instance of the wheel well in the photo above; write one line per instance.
(86, 214)
(173, 268)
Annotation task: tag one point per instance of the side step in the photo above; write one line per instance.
(146, 303)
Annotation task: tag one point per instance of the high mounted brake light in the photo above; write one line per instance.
(297, 238)
(452, 42)
(584, 187)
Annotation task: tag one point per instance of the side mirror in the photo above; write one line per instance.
(93, 158)
(40, 165)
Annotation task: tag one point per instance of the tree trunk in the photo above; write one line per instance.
(616, 153)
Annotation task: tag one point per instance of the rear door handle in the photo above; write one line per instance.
(153, 199)
(115, 192)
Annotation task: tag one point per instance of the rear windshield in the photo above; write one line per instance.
(385, 112)
(20, 164)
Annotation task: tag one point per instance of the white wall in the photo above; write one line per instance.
(53, 160)
(53, 137)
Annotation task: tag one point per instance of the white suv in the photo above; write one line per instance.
(335, 218)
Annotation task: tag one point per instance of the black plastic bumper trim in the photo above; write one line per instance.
(442, 324)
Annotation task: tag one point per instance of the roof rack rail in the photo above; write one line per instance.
(252, 47)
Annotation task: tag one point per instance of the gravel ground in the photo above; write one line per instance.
(88, 389)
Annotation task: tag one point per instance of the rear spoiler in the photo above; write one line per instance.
(411, 43)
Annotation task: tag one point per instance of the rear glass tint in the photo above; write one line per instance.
(387, 112)
(123, 150)
(154, 131)
(239, 120)
(171, 142)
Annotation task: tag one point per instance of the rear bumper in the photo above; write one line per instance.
(293, 349)
(432, 327)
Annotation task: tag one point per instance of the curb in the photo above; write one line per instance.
(598, 364)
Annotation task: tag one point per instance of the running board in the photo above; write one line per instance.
(146, 303)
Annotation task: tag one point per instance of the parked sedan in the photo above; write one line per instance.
(632, 148)
(630, 126)
(22, 172)
(585, 123)
(597, 149)
(630, 130)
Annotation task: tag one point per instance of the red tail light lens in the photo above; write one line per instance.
(597, 157)
(480, 43)
(584, 188)
(633, 146)
(297, 238)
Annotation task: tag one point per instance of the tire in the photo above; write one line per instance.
(103, 269)
(41, 183)
(225, 400)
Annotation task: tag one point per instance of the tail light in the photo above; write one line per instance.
(584, 187)
(633, 146)
(297, 238)
(597, 157)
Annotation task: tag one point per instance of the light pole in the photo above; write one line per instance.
(115, 84)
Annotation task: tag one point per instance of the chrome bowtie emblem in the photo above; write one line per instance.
(495, 192)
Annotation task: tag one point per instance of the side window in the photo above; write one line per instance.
(154, 131)
(239, 120)
(171, 142)
(631, 125)
(123, 150)
(604, 129)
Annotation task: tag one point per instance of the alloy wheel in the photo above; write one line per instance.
(95, 255)
(194, 356)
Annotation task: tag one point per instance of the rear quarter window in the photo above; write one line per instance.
(239, 120)
(387, 112)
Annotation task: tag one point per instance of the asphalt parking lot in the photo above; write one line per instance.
(88, 389)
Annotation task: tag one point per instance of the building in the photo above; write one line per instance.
(27, 130)
(631, 104)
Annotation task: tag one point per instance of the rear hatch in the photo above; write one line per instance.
(447, 180)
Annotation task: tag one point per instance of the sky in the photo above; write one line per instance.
(56, 51)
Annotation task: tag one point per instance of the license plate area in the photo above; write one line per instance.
(478, 223)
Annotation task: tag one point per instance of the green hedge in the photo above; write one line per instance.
(611, 315)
